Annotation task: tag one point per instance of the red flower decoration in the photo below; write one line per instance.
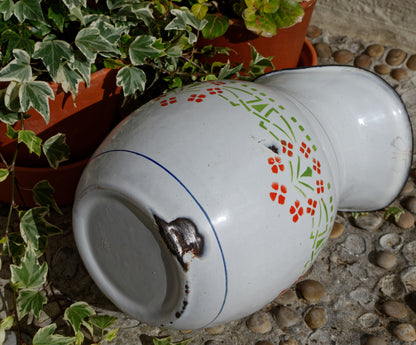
(287, 147)
(305, 150)
(316, 166)
(276, 163)
(296, 210)
(214, 91)
(280, 197)
(319, 186)
(165, 102)
(311, 206)
(196, 98)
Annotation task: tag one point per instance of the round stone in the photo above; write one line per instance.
(288, 297)
(355, 244)
(343, 56)
(411, 63)
(215, 330)
(259, 323)
(391, 241)
(395, 57)
(410, 204)
(264, 342)
(369, 221)
(375, 50)
(398, 73)
(323, 50)
(382, 69)
(386, 260)
(313, 31)
(311, 290)
(315, 318)
(285, 316)
(362, 61)
(290, 341)
(375, 340)
(406, 220)
(392, 286)
(408, 188)
(409, 252)
(408, 277)
(337, 230)
(369, 320)
(394, 309)
(405, 332)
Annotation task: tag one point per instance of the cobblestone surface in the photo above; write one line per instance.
(367, 271)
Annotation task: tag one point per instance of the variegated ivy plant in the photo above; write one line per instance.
(151, 43)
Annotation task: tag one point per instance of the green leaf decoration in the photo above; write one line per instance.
(30, 301)
(28, 9)
(19, 69)
(111, 334)
(29, 274)
(43, 195)
(4, 173)
(183, 18)
(7, 9)
(90, 42)
(142, 48)
(52, 53)
(102, 321)
(5, 325)
(307, 172)
(30, 139)
(36, 94)
(131, 79)
(394, 211)
(217, 25)
(56, 150)
(34, 228)
(168, 341)
(11, 133)
(290, 12)
(77, 313)
(46, 336)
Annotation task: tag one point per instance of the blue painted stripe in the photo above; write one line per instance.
(201, 208)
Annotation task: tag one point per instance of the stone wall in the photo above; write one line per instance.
(387, 22)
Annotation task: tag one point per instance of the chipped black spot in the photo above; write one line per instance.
(181, 236)
(274, 148)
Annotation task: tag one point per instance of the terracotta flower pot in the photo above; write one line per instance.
(85, 124)
(285, 46)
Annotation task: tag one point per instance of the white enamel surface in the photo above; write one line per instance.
(252, 168)
(367, 124)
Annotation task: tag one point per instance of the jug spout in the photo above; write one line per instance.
(367, 124)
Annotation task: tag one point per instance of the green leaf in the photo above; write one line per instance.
(199, 10)
(258, 63)
(271, 6)
(290, 12)
(9, 118)
(11, 97)
(307, 172)
(52, 53)
(71, 4)
(19, 69)
(113, 64)
(30, 139)
(355, 215)
(90, 42)
(142, 48)
(131, 79)
(77, 313)
(82, 65)
(56, 150)
(263, 25)
(11, 133)
(34, 227)
(36, 94)
(103, 321)
(394, 211)
(217, 25)
(69, 79)
(5, 325)
(45, 336)
(30, 301)
(56, 12)
(28, 9)
(17, 40)
(183, 18)
(4, 173)
(43, 195)
(79, 338)
(7, 9)
(29, 274)
(226, 72)
(111, 334)
(17, 247)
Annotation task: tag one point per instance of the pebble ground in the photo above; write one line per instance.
(362, 287)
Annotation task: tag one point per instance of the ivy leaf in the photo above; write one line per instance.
(11, 97)
(5, 325)
(17, 247)
(199, 10)
(69, 79)
(307, 172)
(19, 69)
(183, 18)
(43, 195)
(9, 118)
(45, 336)
(111, 334)
(111, 33)
(131, 79)
(34, 228)
(77, 313)
(394, 211)
(28, 9)
(142, 48)
(226, 72)
(90, 42)
(36, 94)
(30, 139)
(56, 150)
(11, 133)
(258, 63)
(82, 65)
(52, 52)
(4, 173)
(30, 274)
(71, 4)
(7, 9)
(216, 26)
(102, 321)
(17, 41)
(79, 338)
(30, 301)
(56, 13)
